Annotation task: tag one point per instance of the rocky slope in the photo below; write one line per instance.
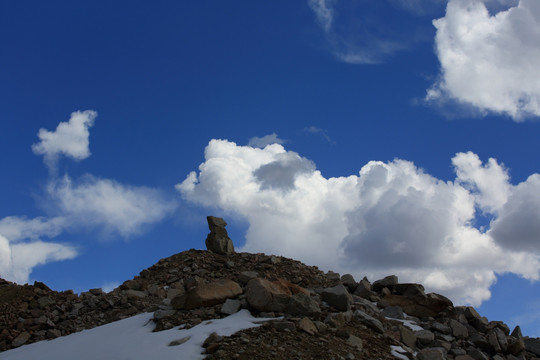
(318, 315)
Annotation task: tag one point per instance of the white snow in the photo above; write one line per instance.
(133, 339)
(398, 351)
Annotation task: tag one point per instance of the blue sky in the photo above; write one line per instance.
(402, 139)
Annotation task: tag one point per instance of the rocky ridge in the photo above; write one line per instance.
(318, 315)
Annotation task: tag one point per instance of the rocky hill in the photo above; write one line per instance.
(318, 315)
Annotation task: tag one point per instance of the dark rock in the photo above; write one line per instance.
(369, 321)
(218, 240)
(337, 297)
(532, 345)
(363, 289)
(393, 312)
(386, 282)
(302, 304)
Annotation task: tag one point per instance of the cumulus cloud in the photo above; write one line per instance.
(490, 182)
(518, 225)
(115, 207)
(389, 218)
(489, 61)
(261, 142)
(70, 139)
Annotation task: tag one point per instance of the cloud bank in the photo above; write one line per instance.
(389, 218)
(489, 61)
(106, 205)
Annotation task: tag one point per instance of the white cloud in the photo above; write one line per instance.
(69, 139)
(518, 226)
(490, 62)
(261, 142)
(361, 33)
(390, 218)
(20, 228)
(21, 248)
(320, 131)
(117, 208)
(490, 182)
(323, 11)
(17, 259)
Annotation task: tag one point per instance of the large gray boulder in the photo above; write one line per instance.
(338, 297)
(218, 240)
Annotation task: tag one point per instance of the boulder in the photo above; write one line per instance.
(458, 330)
(207, 295)
(302, 304)
(386, 282)
(218, 240)
(419, 306)
(369, 321)
(271, 296)
(349, 282)
(363, 289)
(338, 297)
(407, 289)
(532, 345)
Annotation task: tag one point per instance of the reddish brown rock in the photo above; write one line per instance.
(420, 306)
(266, 295)
(207, 295)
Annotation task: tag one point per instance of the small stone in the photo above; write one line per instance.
(231, 306)
(284, 325)
(307, 326)
(21, 339)
(355, 341)
(211, 339)
(179, 341)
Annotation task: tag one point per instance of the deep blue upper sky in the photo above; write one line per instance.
(166, 78)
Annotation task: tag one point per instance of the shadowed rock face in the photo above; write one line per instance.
(218, 240)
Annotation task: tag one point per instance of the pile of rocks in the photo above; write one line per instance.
(317, 315)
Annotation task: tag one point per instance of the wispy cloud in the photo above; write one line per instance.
(319, 131)
(106, 205)
(359, 33)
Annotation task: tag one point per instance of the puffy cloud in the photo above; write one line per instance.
(118, 208)
(518, 225)
(261, 142)
(489, 62)
(490, 182)
(69, 139)
(390, 218)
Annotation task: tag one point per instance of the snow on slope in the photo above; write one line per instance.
(133, 339)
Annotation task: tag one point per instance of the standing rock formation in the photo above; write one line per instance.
(218, 240)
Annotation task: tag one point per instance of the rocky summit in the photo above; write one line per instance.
(316, 315)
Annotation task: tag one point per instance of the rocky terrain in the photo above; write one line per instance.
(317, 315)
